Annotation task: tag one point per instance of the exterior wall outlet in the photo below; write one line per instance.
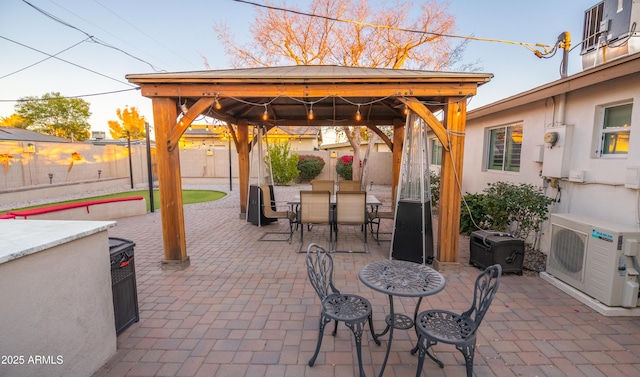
(538, 153)
(577, 176)
(632, 178)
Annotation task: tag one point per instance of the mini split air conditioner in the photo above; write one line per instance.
(596, 257)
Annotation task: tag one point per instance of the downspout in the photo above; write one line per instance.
(559, 110)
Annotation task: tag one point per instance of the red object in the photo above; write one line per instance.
(61, 207)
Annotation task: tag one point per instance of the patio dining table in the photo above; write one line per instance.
(404, 279)
(372, 200)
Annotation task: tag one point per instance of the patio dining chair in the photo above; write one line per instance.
(323, 185)
(269, 210)
(460, 330)
(349, 186)
(351, 309)
(351, 209)
(375, 217)
(315, 208)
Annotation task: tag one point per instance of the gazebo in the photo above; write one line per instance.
(287, 96)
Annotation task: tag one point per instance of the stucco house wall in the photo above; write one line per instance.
(572, 101)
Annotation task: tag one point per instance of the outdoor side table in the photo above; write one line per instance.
(404, 279)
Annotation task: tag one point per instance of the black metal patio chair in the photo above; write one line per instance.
(351, 309)
(435, 326)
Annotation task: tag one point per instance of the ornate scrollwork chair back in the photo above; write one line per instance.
(443, 326)
(351, 309)
(320, 271)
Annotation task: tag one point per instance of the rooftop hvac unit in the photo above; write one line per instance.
(596, 257)
(610, 31)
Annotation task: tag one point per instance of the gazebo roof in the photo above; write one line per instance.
(289, 93)
(336, 95)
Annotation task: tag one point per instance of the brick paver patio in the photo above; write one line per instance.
(245, 308)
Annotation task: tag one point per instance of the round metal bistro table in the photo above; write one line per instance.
(400, 278)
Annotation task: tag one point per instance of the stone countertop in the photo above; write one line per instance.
(19, 238)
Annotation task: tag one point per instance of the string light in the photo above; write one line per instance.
(190, 128)
(207, 128)
(310, 113)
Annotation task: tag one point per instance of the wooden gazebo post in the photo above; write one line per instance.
(243, 164)
(173, 233)
(450, 195)
(398, 141)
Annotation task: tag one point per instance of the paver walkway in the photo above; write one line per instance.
(245, 308)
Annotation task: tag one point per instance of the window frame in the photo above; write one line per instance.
(507, 164)
(601, 130)
(436, 150)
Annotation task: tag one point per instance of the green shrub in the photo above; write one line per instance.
(506, 207)
(344, 167)
(284, 164)
(434, 182)
(472, 213)
(310, 166)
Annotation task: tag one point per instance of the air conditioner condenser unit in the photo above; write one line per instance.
(596, 257)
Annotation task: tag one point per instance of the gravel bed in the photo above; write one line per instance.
(534, 262)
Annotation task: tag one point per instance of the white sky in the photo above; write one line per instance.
(175, 36)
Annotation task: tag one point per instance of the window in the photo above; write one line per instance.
(436, 152)
(505, 145)
(616, 122)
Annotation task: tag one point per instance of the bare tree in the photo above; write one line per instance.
(349, 33)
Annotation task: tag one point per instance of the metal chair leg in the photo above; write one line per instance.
(323, 322)
(356, 328)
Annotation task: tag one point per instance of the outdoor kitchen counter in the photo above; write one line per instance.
(20, 238)
(57, 314)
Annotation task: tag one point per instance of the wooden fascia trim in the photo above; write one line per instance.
(218, 90)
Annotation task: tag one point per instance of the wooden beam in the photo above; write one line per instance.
(308, 90)
(450, 184)
(179, 127)
(243, 163)
(382, 135)
(170, 184)
(423, 112)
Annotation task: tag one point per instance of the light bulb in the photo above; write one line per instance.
(265, 115)
(206, 127)
(218, 105)
(406, 110)
(358, 116)
(310, 115)
(190, 128)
